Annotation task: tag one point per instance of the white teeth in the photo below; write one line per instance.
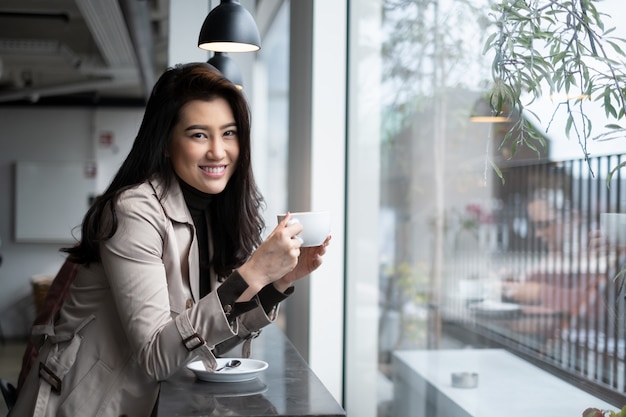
(214, 170)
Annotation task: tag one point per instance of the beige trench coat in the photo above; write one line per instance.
(132, 320)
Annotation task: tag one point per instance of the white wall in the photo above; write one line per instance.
(48, 135)
(328, 170)
(363, 196)
(316, 168)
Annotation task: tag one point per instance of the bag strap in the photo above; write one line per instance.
(57, 293)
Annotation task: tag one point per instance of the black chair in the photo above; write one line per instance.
(9, 393)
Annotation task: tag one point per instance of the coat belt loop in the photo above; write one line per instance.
(60, 361)
(247, 344)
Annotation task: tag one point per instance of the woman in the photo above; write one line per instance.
(172, 266)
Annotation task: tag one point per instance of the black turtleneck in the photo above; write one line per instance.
(198, 204)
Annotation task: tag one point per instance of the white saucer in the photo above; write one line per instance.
(248, 370)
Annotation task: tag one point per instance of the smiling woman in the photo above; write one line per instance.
(171, 264)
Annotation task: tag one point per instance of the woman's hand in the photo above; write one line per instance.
(309, 260)
(275, 257)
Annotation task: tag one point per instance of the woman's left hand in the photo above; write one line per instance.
(309, 260)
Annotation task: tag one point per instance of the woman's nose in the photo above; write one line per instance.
(216, 149)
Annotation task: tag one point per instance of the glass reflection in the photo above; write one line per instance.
(483, 246)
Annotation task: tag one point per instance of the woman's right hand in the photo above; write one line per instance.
(275, 257)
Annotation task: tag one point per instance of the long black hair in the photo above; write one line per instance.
(236, 221)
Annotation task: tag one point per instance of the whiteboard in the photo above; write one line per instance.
(51, 200)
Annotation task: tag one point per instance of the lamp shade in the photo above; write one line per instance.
(228, 68)
(229, 28)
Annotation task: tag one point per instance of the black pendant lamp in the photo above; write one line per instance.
(227, 67)
(229, 28)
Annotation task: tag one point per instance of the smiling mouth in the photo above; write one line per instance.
(214, 170)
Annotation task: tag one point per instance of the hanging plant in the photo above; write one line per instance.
(549, 47)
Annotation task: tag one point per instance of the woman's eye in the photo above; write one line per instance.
(230, 133)
(198, 135)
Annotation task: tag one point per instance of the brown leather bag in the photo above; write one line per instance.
(52, 304)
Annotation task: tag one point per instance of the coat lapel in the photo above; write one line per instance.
(176, 209)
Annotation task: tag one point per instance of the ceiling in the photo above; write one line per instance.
(81, 51)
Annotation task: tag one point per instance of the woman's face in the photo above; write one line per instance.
(205, 147)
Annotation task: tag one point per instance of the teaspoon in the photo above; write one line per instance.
(230, 364)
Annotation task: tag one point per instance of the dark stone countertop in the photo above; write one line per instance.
(288, 387)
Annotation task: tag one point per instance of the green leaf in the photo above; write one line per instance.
(497, 171)
(616, 47)
(609, 110)
(568, 125)
(489, 43)
(612, 172)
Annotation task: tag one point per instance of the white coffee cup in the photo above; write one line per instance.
(316, 226)
(614, 228)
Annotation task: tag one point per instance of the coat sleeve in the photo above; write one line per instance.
(249, 316)
(162, 338)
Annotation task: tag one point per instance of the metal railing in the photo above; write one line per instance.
(554, 285)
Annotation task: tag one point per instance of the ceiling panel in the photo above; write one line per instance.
(93, 50)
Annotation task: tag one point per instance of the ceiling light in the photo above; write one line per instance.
(483, 112)
(229, 28)
(228, 68)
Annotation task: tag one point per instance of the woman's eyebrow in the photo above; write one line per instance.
(205, 127)
(231, 124)
(197, 127)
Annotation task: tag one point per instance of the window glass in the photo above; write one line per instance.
(498, 289)
(271, 115)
